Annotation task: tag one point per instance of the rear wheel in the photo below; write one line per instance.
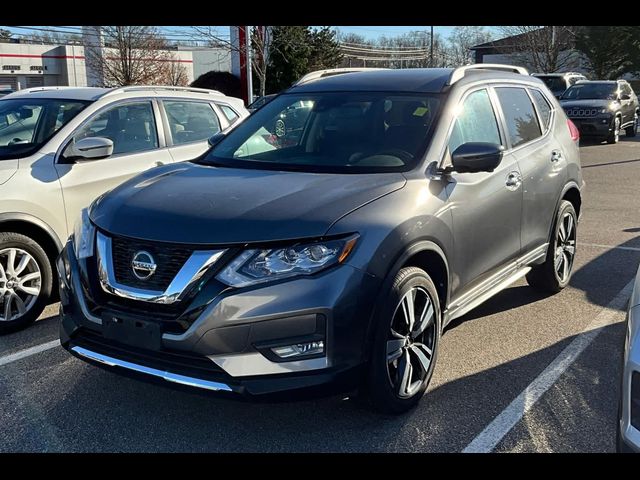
(554, 274)
(406, 343)
(25, 281)
(614, 136)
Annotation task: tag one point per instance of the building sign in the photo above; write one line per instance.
(11, 67)
(37, 67)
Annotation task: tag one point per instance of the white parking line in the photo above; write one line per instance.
(487, 440)
(608, 247)
(28, 352)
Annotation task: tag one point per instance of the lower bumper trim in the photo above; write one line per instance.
(168, 376)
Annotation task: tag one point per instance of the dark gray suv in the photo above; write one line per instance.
(336, 254)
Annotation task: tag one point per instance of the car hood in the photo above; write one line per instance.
(586, 103)
(191, 203)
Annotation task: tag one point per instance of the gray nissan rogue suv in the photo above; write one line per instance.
(336, 253)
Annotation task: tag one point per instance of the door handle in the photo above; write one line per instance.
(514, 180)
(556, 155)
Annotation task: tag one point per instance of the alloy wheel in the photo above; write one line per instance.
(565, 250)
(411, 342)
(20, 283)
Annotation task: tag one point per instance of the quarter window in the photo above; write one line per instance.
(191, 121)
(476, 122)
(229, 112)
(544, 109)
(131, 127)
(520, 117)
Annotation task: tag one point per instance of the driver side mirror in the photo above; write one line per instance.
(215, 139)
(92, 148)
(625, 96)
(25, 113)
(476, 157)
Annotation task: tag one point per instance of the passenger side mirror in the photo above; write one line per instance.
(25, 113)
(215, 139)
(625, 96)
(92, 148)
(476, 157)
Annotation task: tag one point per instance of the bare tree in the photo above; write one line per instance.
(175, 73)
(261, 52)
(541, 48)
(460, 42)
(130, 55)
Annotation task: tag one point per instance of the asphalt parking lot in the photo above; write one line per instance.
(524, 372)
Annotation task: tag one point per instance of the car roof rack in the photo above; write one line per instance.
(310, 77)
(460, 72)
(138, 88)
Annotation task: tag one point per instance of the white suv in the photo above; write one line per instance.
(61, 147)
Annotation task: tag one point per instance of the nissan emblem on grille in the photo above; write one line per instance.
(143, 265)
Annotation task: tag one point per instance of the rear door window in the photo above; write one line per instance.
(544, 109)
(190, 121)
(519, 114)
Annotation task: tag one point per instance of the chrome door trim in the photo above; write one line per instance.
(192, 270)
(168, 376)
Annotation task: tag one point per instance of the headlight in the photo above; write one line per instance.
(83, 235)
(260, 265)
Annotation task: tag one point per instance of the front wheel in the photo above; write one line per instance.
(405, 343)
(25, 281)
(614, 136)
(554, 274)
(633, 129)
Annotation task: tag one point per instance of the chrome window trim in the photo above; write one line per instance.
(168, 376)
(192, 270)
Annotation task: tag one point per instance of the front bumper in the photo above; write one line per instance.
(227, 348)
(628, 430)
(599, 126)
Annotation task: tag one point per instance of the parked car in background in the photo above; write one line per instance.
(602, 108)
(407, 199)
(629, 409)
(260, 102)
(62, 147)
(559, 82)
(5, 91)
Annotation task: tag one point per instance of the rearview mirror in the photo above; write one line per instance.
(93, 148)
(476, 157)
(215, 139)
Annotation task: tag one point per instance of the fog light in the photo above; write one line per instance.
(299, 349)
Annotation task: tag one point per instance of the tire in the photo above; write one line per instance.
(387, 389)
(551, 277)
(36, 276)
(632, 130)
(614, 136)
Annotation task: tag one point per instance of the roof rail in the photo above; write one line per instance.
(460, 72)
(310, 77)
(137, 88)
(42, 89)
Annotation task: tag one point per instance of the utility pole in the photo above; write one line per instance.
(431, 49)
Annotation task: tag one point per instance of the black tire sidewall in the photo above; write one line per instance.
(565, 206)
(380, 388)
(16, 240)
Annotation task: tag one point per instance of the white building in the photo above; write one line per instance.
(24, 65)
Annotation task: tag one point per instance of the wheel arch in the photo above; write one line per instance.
(424, 254)
(572, 193)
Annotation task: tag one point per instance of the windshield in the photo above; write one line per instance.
(26, 124)
(332, 132)
(555, 84)
(591, 91)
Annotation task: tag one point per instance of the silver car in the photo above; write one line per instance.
(629, 414)
(61, 147)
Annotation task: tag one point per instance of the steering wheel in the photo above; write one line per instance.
(391, 152)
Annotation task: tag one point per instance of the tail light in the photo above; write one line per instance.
(573, 130)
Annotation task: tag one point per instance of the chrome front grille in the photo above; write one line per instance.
(177, 267)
